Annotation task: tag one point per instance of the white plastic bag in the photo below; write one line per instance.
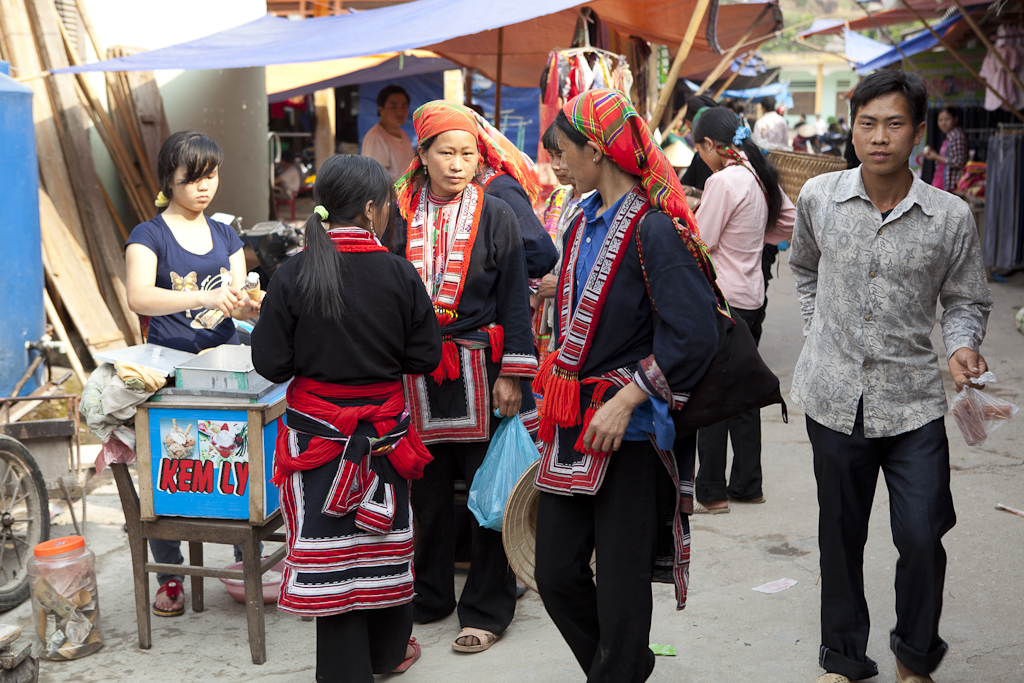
(978, 414)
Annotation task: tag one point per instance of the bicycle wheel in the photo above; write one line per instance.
(24, 519)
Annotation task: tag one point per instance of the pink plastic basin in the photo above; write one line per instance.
(271, 584)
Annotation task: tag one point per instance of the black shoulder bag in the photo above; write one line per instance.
(737, 380)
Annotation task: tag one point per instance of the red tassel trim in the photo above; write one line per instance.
(445, 315)
(595, 405)
(562, 397)
(546, 433)
(496, 336)
(540, 380)
(448, 368)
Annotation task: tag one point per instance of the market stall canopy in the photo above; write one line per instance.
(822, 27)
(952, 30)
(285, 81)
(862, 49)
(460, 31)
(930, 5)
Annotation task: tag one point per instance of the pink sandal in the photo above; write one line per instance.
(409, 661)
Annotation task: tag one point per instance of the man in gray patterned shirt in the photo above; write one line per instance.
(873, 249)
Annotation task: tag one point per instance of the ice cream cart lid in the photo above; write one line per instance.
(152, 356)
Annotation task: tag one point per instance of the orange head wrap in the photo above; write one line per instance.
(496, 150)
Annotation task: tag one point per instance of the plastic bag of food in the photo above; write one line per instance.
(978, 414)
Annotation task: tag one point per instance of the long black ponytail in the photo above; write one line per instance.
(720, 126)
(344, 184)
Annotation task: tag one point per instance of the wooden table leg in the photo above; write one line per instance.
(140, 553)
(195, 557)
(254, 596)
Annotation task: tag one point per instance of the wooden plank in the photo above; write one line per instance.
(109, 261)
(257, 513)
(62, 334)
(144, 465)
(147, 105)
(69, 270)
(53, 168)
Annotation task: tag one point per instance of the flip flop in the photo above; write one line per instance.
(409, 661)
(484, 640)
(832, 678)
(172, 589)
(699, 509)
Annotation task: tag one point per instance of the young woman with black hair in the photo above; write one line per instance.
(952, 154)
(346, 319)
(742, 209)
(180, 263)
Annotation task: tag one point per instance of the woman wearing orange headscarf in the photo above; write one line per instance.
(467, 248)
(609, 478)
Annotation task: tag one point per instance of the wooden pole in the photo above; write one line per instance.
(62, 334)
(882, 29)
(677, 64)
(723, 64)
(728, 82)
(963, 62)
(497, 85)
(988, 44)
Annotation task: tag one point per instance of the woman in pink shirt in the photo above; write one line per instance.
(742, 209)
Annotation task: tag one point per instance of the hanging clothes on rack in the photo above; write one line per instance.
(1010, 45)
(1003, 246)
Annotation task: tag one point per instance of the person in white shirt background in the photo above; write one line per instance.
(771, 130)
(387, 142)
(820, 126)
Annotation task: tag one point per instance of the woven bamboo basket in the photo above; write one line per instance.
(796, 168)
(519, 528)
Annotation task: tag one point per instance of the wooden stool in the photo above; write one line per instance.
(196, 532)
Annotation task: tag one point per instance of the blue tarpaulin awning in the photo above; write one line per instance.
(919, 42)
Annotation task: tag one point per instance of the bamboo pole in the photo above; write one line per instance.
(497, 85)
(988, 44)
(121, 230)
(62, 334)
(677, 64)
(723, 64)
(892, 40)
(942, 41)
(728, 82)
(130, 122)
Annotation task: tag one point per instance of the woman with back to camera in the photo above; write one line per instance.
(742, 209)
(179, 264)
(346, 319)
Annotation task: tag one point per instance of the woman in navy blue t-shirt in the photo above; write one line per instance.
(179, 264)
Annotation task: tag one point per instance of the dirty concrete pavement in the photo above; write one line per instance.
(728, 632)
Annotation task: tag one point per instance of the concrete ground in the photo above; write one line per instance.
(727, 633)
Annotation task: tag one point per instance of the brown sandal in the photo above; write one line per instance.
(484, 640)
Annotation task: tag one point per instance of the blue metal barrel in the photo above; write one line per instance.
(22, 317)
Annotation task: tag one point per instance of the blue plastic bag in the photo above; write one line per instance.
(510, 453)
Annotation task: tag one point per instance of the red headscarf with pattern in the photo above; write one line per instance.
(608, 118)
(496, 150)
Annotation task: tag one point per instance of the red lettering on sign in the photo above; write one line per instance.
(224, 483)
(241, 477)
(202, 477)
(185, 475)
(168, 468)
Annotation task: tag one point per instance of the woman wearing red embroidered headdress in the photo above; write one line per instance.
(618, 369)
(346, 319)
(467, 247)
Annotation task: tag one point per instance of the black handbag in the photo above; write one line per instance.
(737, 380)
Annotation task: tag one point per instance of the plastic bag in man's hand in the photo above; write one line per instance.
(510, 453)
(978, 414)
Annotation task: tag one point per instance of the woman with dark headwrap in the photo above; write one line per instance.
(618, 370)
(467, 247)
